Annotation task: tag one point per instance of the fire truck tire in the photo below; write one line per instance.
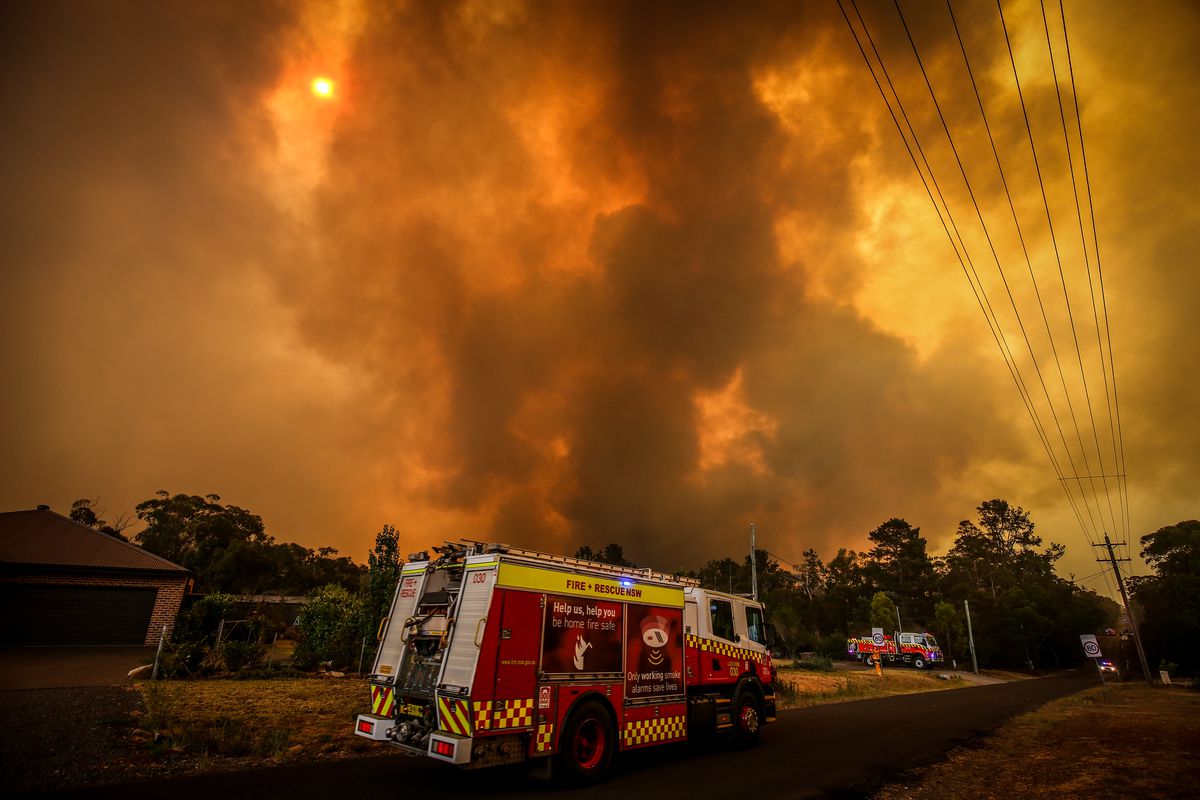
(747, 718)
(918, 662)
(587, 745)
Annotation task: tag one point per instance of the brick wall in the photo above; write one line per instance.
(166, 606)
(166, 602)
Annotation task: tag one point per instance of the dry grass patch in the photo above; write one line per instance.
(1119, 741)
(801, 688)
(278, 720)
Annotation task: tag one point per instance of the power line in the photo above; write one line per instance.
(995, 256)
(962, 253)
(999, 266)
(1087, 268)
(783, 560)
(1057, 257)
(979, 291)
(1118, 437)
(1007, 192)
(1093, 575)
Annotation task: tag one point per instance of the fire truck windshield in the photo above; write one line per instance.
(925, 640)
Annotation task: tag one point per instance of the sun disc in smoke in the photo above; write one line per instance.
(323, 88)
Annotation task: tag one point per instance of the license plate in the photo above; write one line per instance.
(411, 710)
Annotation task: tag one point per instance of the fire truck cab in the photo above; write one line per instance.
(730, 618)
(495, 655)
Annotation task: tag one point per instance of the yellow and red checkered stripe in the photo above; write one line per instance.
(647, 731)
(502, 714)
(724, 649)
(544, 742)
(483, 714)
(454, 715)
(515, 714)
(382, 701)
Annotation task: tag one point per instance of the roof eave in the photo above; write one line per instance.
(24, 568)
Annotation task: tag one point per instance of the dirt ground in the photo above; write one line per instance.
(69, 737)
(1125, 740)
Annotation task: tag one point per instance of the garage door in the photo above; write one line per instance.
(44, 614)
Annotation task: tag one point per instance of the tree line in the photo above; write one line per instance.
(226, 548)
(1169, 600)
(1023, 613)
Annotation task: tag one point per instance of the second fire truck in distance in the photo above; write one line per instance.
(918, 650)
(496, 655)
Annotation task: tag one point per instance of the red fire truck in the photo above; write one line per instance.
(495, 655)
(919, 650)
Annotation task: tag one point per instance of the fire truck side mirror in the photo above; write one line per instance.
(770, 635)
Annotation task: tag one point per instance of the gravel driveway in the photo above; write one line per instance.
(57, 738)
(59, 667)
(67, 713)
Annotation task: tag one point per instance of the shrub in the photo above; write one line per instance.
(161, 707)
(182, 660)
(786, 691)
(162, 719)
(199, 622)
(192, 651)
(817, 662)
(330, 627)
(242, 655)
(833, 645)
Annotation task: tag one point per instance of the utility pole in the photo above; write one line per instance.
(753, 566)
(1137, 639)
(971, 636)
(899, 627)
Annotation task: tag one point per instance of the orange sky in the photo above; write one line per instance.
(563, 273)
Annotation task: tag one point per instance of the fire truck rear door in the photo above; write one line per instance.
(470, 617)
(408, 592)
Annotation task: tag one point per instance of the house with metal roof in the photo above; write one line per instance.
(62, 583)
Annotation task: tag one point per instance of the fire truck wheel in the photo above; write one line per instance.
(587, 745)
(747, 720)
(918, 662)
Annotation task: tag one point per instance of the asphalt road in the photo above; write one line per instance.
(844, 750)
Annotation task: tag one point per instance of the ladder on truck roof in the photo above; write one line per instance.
(570, 561)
